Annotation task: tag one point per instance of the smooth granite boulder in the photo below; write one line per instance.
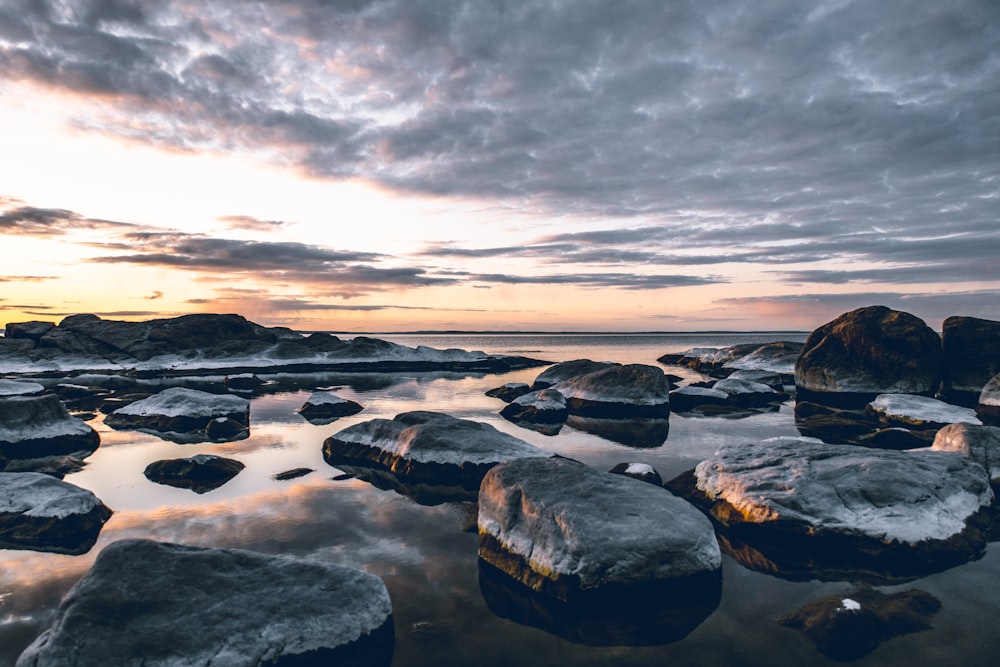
(325, 407)
(508, 392)
(567, 530)
(566, 370)
(921, 412)
(33, 426)
(41, 513)
(979, 443)
(544, 410)
(166, 605)
(848, 626)
(813, 505)
(427, 448)
(200, 473)
(179, 410)
(971, 356)
(988, 408)
(866, 352)
(617, 391)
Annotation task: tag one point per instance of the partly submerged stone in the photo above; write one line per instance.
(988, 408)
(200, 473)
(866, 352)
(294, 473)
(807, 505)
(971, 356)
(544, 410)
(427, 448)
(777, 357)
(640, 471)
(327, 407)
(179, 410)
(618, 391)
(772, 379)
(242, 382)
(510, 391)
(690, 397)
(565, 529)
(728, 393)
(920, 412)
(979, 443)
(33, 426)
(848, 626)
(41, 513)
(224, 428)
(151, 603)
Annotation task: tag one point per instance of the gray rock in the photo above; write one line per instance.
(508, 392)
(180, 410)
(979, 443)
(427, 448)
(545, 406)
(562, 528)
(691, 397)
(632, 390)
(41, 513)
(866, 352)
(34, 426)
(988, 408)
(566, 370)
(640, 471)
(19, 388)
(777, 357)
(904, 512)
(327, 407)
(200, 473)
(770, 378)
(167, 605)
(920, 412)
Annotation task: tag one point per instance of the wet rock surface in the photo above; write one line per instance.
(920, 412)
(41, 513)
(326, 407)
(153, 603)
(179, 410)
(201, 473)
(37, 425)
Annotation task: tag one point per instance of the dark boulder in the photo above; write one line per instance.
(617, 391)
(866, 352)
(179, 410)
(509, 391)
(543, 410)
(326, 407)
(33, 426)
(971, 356)
(988, 408)
(566, 370)
(640, 471)
(201, 473)
(41, 513)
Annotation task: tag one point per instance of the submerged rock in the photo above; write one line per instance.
(151, 603)
(427, 448)
(866, 352)
(242, 382)
(179, 410)
(327, 407)
(33, 426)
(918, 411)
(566, 530)
(41, 513)
(200, 473)
(971, 356)
(849, 626)
(800, 501)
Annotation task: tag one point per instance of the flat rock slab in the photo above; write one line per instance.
(804, 500)
(167, 605)
(565, 529)
(33, 426)
(912, 411)
(201, 473)
(179, 410)
(19, 388)
(427, 448)
(41, 513)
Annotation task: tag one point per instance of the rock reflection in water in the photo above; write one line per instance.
(640, 432)
(639, 616)
(420, 493)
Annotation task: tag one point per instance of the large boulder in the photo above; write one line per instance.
(33, 426)
(921, 412)
(151, 603)
(566, 370)
(632, 390)
(428, 448)
(777, 357)
(801, 501)
(566, 530)
(179, 410)
(866, 352)
(200, 473)
(971, 356)
(988, 408)
(41, 513)
(979, 443)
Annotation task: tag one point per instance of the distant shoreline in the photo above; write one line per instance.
(434, 332)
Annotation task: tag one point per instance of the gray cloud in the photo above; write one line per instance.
(34, 221)
(628, 281)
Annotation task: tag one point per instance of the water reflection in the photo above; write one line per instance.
(641, 433)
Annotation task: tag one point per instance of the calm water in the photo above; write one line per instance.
(427, 554)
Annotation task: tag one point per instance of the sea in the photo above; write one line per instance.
(426, 550)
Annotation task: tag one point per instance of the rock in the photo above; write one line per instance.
(542, 408)
(294, 473)
(151, 603)
(640, 471)
(509, 391)
(180, 410)
(326, 407)
(847, 627)
(54, 466)
(729, 393)
(747, 393)
(27, 330)
(918, 411)
(200, 473)
(638, 432)
(242, 382)
(566, 530)
(867, 352)
(19, 388)
(777, 357)
(427, 448)
(770, 378)
(32, 426)
(971, 356)
(566, 370)
(225, 429)
(833, 425)
(798, 500)
(896, 438)
(41, 513)
(690, 397)
(633, 390)
(979, 443)
(988, 408)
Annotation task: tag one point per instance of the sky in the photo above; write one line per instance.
(400, 165)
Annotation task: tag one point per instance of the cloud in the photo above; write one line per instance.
(628, 281)
(154, 296)
(26, 279)
(34, 221)
(250, 223)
